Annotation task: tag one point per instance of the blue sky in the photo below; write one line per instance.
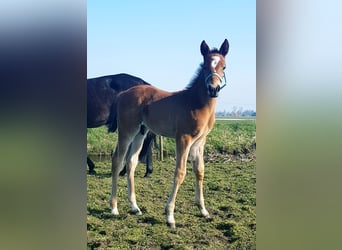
(159, 41)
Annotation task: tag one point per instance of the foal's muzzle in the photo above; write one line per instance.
(213, 91)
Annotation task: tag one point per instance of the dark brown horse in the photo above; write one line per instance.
(187, 115)
(102, 93)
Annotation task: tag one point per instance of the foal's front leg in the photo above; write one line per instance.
(182, 149)
(198, 169)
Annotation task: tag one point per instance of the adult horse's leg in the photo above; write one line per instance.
(196, 154)
(182, 150)
(149, 166)
(91, 166)
(147, 153)
(132, 162)
(123, 171)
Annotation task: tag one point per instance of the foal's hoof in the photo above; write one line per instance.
(115, 211)
(207, 216)
(136, 210)
(172, 225)
(170, 220)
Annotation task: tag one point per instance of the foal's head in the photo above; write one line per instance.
(213, 67)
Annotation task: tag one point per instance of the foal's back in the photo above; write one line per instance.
(164, 113)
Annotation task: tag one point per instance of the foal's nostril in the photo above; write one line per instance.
(213, 91)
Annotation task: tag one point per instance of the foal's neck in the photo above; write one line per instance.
(200, 92)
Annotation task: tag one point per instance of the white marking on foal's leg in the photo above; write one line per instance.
(171, 221)
(115, 211)
(169, 210)
(200, 203)
(205, 212)
(114, 205)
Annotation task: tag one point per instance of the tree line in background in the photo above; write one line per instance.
(236, 112)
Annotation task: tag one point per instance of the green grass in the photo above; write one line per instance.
(227, 137)
(230, 197)
(229, 192)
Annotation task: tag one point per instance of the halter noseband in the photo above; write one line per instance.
(219, 77)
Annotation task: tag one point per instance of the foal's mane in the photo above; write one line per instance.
(195, 78)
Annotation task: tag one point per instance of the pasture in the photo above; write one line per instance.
(229, 192)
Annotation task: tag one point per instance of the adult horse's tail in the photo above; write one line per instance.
(112, 119)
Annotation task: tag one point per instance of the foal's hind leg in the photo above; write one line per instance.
(132, 161)
(117, 164)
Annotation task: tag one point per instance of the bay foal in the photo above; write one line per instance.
(187, 115)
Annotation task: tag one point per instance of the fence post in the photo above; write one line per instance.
(161, 148)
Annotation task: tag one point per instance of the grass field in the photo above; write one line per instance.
(229, 192)
(228, 137)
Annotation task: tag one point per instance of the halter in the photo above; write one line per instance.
(219, 77)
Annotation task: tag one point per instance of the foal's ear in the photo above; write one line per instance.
(204, 48)
(224, 48)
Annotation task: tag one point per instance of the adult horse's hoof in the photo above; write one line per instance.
(91, 171)
(147, 175)
(123, 172)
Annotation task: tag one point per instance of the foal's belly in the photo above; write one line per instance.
(160, 127)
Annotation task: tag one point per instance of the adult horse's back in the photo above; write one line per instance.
(102, 93)
(187, 115)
